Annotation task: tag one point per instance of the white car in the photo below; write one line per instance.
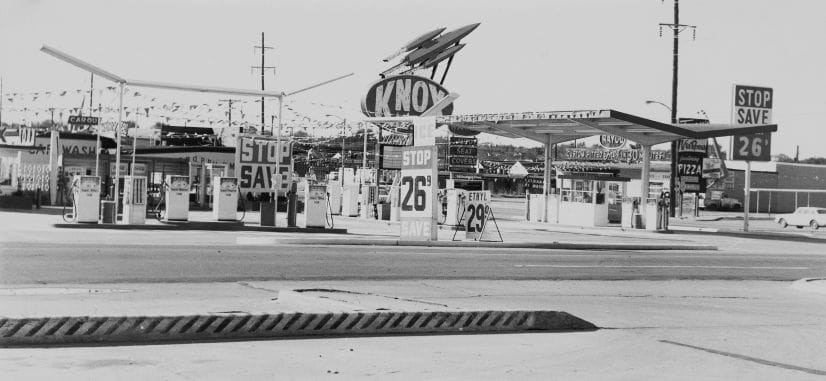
(814, 217)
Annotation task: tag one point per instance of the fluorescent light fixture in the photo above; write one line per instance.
(549, 131)
(74, 61)
(319, 84)
(81, 64)
(203, 89)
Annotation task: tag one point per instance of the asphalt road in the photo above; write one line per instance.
(51, 262)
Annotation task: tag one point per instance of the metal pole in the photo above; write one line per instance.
(91, 92)
(364, 154)
(262, 82)
(97, 146)
(644, 184)
(1, 101)
(117, 151)
(343, 133)
(676, 31)
(546, 179)
(746, 197)
(134, 145)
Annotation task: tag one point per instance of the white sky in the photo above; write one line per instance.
(542, 55)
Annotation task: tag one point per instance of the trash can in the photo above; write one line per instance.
(108, 212)
(267, 209)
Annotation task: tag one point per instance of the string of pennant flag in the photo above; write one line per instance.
(64, 102)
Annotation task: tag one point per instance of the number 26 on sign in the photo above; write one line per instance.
(755, 147)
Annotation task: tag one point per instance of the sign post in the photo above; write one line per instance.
(751, 105)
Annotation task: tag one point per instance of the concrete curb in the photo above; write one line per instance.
(512, 245)
(205, 226)
(132, 330)
(795, 237)
(813, 285)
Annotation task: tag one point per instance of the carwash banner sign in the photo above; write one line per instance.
(403, 95)
(259, 160)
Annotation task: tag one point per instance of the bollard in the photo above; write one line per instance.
(37, 199)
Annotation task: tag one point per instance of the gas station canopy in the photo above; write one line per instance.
(561, 126)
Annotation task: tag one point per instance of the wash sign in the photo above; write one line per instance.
(259, 160)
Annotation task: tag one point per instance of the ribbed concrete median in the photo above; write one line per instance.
(150, 329)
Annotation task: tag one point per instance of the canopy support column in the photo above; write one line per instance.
(646, 175)
(546, 178)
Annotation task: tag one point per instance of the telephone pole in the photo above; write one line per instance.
(263, 68)
(1, 101)
(676, 28)
(229, 113)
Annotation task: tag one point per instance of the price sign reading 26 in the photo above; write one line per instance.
(415, 194)
(417, 214)
(755, 147)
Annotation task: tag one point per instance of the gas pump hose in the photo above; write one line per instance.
(74, 212)
(328, 217)
(159, 214)
(244, 203)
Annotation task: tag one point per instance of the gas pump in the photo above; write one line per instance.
(350, 200)
(177, 198)
(225, 198)
(86, 195)
(334, 188)
(315, 206)
(134, 200)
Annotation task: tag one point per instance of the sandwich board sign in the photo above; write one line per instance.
(475, 215)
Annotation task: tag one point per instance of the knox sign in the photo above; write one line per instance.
(403, 95)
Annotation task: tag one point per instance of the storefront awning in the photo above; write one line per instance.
(562, 126)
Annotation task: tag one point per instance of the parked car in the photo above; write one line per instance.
(814, 217)
(720, 201)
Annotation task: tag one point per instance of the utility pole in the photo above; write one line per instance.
(263, 68)
(676, 28)
(229, 112)
(1, 101)
(91, 92)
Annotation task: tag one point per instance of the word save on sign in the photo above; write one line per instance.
(417, 215)
(258, 162)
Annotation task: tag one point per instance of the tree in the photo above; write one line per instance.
(783, 158)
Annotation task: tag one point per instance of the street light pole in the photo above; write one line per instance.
(343, 133)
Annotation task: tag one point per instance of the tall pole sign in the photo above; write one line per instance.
(751, 105)
(419, 184)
